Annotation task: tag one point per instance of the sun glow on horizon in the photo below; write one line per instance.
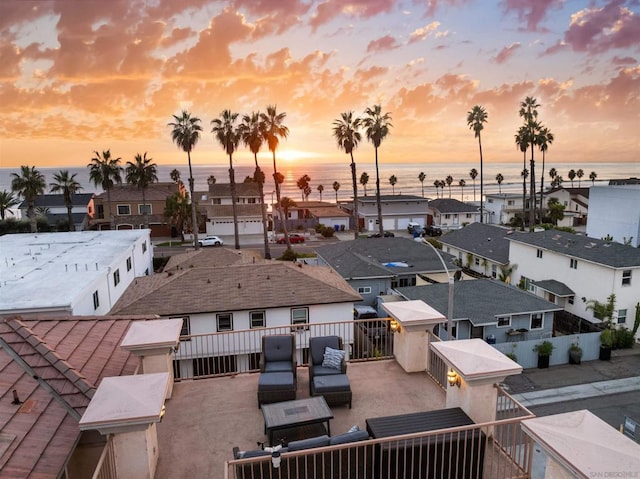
(293, 156)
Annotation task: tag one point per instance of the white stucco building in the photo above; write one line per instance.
(615, 211)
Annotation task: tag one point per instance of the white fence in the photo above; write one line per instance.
(528, 358)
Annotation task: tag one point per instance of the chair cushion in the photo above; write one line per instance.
(275, 381)
(318, 344)
(278, 367)
(253, 453)
(332, 383)
(278, 348)
(323, 371)
(333, 358)
(349, 437)
(318, 441)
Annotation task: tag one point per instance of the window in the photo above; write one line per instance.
(100, 212)
(570, 299)
(573, 263)
(251, 201)
(447, 216)
(124, 210)
(144, 209)
(536, 321)
(468, 215)
(490, 200)
(494, 271)
(116, 277)
(129, 263)
(256, 319)
(299, 315)
(622, 316)
(96, 300)
(527, 284)
(144, 247)
(504, 321)
(626, 277)
(224, 322)
(454, 330)
(364, 289)
(509, 202)
(216, 201)
(186, 327)
(539, 253)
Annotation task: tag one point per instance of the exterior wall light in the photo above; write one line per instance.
(395, 326)
(453, 378)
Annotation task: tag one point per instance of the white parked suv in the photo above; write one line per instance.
(210, 241)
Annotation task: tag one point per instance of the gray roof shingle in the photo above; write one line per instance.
(556, 287)
(451, 205)
(487, 241)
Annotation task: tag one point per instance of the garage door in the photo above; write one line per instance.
(389, 224)
(403, 223)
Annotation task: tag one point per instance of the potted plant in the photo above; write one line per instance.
(606, 344)
(575, 354)
(544, 350)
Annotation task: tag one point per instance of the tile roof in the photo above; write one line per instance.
(72, 354)
(610, 254)
(479, 300)
(451, 205)
(127, 193)
(365, 258)
(223, 190)
(236, 288)
(556, 287)
(481, 239)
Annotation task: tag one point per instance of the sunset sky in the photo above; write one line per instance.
(78, 76)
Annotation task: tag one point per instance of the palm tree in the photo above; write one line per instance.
(320, 190)
(273, 128)
(211, 180)
(29, 184)
(553, 173)
(392, 181)
(421, 178)
(529, 112)
(572, 175)
(303, 184)
(462, 184)
(449, 180)
(545, 138)
(474, 174)
(251, 132)
(346, 134)
(175, 175)
(185, 134)
(556, 210)
(436, 184)
(592, 176)
(228, 135)
(499, 179)
(336, 187)
(579, 174)
(178, 209)
(522, 142)
(105, 172)
(142, 173)
(442, 185)
(377, 126)
(557, 181)
(476, 118)
(286, 204)
(7, 201)
(67, 185)
(364, 179)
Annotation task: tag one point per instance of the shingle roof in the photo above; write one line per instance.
(210, 257)
(54, 201)
(240, 287)
(555, 287)
(572, 191)
(479, 300)
(72, 354)
(154, 192)
(219, 211)
(451, 205)
(486, 241)
(364, 258)
(223, 190)
(611, 254)
(390, 198)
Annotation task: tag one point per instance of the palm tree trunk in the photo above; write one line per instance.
(112, 220)
(524, 188)
(481, 183)
(263, 210)
(31, 213)
(234, 200)
(279, 205)
(355, 198)
(532, 192)
(72, 227)
(541, 185)
(378, 203)
(194, 214)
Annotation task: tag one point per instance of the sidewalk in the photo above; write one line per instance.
(568, 382)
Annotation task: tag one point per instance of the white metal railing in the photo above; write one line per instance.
(106, 467)
(233, 352)
(437, 368)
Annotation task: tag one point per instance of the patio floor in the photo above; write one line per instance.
(206, 418)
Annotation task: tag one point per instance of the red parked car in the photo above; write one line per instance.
(293, 238)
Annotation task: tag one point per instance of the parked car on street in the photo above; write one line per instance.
(413, 226)
(293, 239)
(210, 241)
(432, 231)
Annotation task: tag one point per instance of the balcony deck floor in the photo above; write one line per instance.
(206, 418)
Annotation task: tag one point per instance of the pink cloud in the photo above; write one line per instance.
(431, 6)
(506, 53)
(330, 9)
(382, 44)
(531, 12)
(623, 60)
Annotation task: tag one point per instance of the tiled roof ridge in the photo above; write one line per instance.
(52, 357)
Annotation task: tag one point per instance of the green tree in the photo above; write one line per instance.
(592, 176)
(273, 129)
(252, 137)
(529, 112)
(474, 174)
(545, 139)
(185, 133)
(347, 136)
(228, 134)
(285, 205)
(377, 126)
(7, 201)
(141, 173)
(499, 179)
(393, 180)
(449, 180)
(553, 173)
(175, 175)
(303, 184)
(556, 210)
(421, 178)
(336, 187)
(603, 311)
(476, 118)
(506, 271)
(28, 184)
(320, 190)
(66, 184)
(364, 180)
(522, 142)
(105, 171)
(579, 174)
(462, 184)
(178, 209)
(572, 176)
(436, 184)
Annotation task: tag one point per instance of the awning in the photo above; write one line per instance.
(555, 287)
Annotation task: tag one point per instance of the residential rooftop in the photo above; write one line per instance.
(53, 201)
(481, 239)
(153, 192)
(451, 205)
(390, 198)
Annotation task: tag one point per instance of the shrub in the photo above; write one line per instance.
(566, 229)
(623, 338)
(327, 232)
(319, 227)
(545, 348)
(434, 242)
(606, 338)
(288, 255)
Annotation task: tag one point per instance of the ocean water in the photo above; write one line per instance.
(406, 173)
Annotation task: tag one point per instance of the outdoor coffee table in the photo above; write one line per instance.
(295, 414)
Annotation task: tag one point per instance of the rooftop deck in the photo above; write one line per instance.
(206, 418)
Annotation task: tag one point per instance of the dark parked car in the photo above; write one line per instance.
(293, 238)
(386, 234)
(432, 231)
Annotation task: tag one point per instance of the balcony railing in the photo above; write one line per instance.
(106, 467)
(436, 368)
(233, 352)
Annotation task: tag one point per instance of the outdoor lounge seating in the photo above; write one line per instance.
(278, 378)
(327, 370)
